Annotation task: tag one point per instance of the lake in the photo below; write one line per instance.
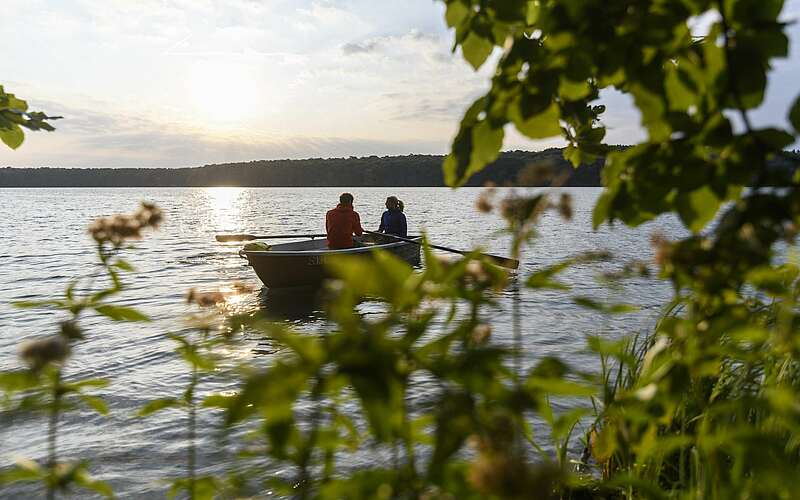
(45, 245)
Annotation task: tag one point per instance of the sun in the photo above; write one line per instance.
(224, 94)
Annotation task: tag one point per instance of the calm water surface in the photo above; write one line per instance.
(45, 246)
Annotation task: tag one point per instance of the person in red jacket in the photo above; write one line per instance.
(342, 223)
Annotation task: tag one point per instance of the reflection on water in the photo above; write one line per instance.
(302, 309)
(296, 305)
(227, 204)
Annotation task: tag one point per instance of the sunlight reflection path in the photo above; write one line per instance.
(227, 206)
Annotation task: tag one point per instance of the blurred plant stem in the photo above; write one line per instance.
(192, 428)
(52, 433)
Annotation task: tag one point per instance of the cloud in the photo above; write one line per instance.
(87, 138)
(414, 39)
(410, 107)
(362, 47)
(149, 83)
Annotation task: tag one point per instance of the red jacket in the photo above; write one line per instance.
(340, 224)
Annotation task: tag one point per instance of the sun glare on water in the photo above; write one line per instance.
(223, 198)
(226, 206)
(223, 94)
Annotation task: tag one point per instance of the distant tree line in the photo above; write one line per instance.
(514, 167)
(520, 168)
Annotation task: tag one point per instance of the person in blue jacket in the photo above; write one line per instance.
(393, 220)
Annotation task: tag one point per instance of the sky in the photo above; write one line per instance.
(175, 83)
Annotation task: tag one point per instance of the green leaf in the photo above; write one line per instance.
(773, 280)
(605, 443)
(385, 276)
(750, 334)
(510, 11)
(477, 143)
(751, 80)
(351, 437)
(573, 155)
(679, 95)
(652, 108)
(590, 303)
(124, 265)
(194, 358)
(11, 135)
(205, 488)
(476, 49)
(102, 294)
(157, 405)
(24, 470)
(619, 349)
(602, 209)
(121, 313)
(775, 138)
(69, 293)
(538, 126)
(96, 403)
(84, 480)
(34, 304)
(564, 424)
(79, 385)
(544, 279)
(176, 487)
(454, 424)
(309, 348)
(549, 367)
(533, 12)
(794, 115)
(573, 90)
(19, 380)
(456, 13)
(560, 41)
(697, 208)
(486, 144)
(559, 387)
(221, 401)
(16, 104)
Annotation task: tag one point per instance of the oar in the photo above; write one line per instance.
(248, 237)
(500, 261)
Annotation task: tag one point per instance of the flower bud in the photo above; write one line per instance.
(481, 333)
(70, 330)
(205, 299)
(40, 352)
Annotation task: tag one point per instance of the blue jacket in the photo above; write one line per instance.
(393, 222)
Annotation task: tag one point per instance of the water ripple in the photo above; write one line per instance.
(135, 455)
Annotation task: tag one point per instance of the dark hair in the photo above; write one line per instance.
(400, 205)
(346, 199)
(392, 201)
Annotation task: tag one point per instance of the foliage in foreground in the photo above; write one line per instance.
(708, 411)
(15, 115)
(706, 407)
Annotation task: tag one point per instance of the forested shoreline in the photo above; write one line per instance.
(534, 168)
(525, 168)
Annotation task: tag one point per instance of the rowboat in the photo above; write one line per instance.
(302, 263)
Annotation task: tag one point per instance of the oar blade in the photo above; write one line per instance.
(234, 237)
(506, 262)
